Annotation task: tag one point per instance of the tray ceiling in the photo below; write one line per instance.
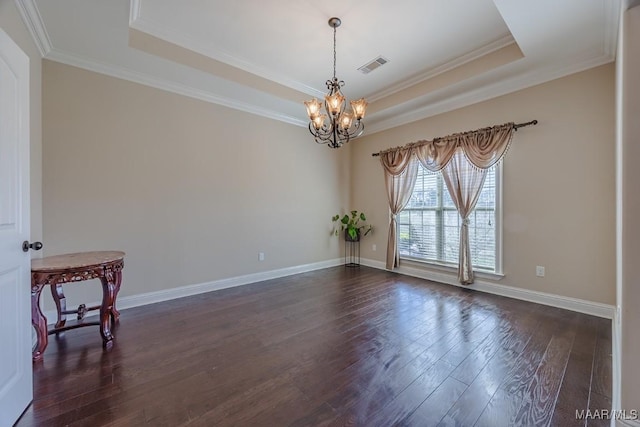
(266, 57)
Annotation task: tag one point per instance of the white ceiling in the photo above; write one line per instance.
(267, 56)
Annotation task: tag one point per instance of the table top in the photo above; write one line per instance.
(75, 261)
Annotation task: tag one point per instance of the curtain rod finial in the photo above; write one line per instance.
(521, 125)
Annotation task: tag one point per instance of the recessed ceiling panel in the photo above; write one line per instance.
(291, 43)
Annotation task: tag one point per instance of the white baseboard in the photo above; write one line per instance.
(616, 371)
(573, 304)
(616, 360)
(185, 291)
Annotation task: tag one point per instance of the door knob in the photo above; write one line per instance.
(36, 246)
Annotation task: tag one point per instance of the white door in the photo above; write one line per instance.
(16, 386)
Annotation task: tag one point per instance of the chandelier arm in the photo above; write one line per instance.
(344, 135)
(352, 132)
(322, 135)
(332, 132)
(357, 130)
(327, 139)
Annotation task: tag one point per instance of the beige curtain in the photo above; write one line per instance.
(463, 159)
(464, 176)
(401, 170)
(464, 182)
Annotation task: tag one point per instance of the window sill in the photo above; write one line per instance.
(447, 268)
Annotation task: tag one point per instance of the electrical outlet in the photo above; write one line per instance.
(261, 256)
(539, 271)
(374, 247)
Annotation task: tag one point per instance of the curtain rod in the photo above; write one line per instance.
(515, 127)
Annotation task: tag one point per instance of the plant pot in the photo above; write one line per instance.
(348, 238)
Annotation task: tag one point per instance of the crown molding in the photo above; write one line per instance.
(169, 86)
(443, 68)
(485, 93)
(138, 23)
(451, 103)
(33, 21)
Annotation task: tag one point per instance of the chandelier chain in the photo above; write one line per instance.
(334, 53)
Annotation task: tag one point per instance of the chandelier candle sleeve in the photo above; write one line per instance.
(318, 121)
(359, 107)
(340, 125)
(345, 120)
(313, 108)
(335, 103)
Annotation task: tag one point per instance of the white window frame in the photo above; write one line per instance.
(481, 272)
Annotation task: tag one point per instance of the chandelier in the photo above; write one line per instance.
(336, 127)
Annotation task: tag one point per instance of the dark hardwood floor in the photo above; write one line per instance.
(334, 347)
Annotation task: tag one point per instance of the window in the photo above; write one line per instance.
(429, 226)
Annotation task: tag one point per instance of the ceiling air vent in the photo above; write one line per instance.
(369, 67)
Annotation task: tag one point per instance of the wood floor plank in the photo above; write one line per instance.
(597, 403)
(333, 347)
(436, 406)
(511, 337)
(500, 411)
(406, 402)
(518, 381)
(539, 402)
(575, 389)
(601, 381)
(469, 406)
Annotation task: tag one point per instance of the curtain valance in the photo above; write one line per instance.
(483, 148)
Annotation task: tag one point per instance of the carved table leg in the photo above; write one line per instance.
(117, 277)
(61, 304)
(108, 298)
(39, 322)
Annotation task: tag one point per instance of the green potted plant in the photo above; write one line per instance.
(351, 225)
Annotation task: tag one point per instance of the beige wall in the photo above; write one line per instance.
(190, 190)
(155, 174)
(559, 182)
(629, 293)
(11, 23)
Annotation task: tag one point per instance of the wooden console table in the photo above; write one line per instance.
(56, 270)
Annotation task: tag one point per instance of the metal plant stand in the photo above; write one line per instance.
(352, 253)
